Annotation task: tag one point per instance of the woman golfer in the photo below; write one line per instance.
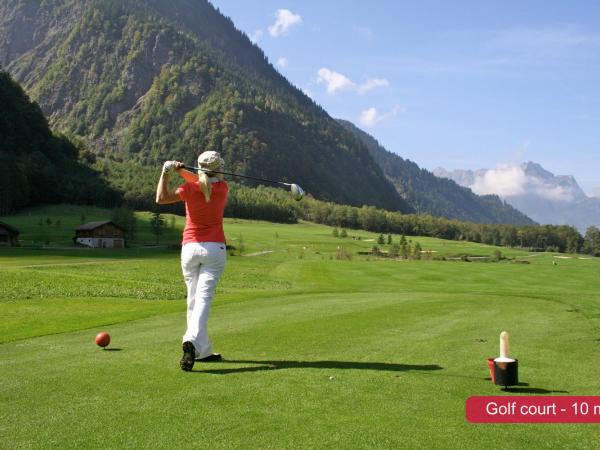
(203, 253)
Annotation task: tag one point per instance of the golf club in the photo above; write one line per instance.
(297, 191)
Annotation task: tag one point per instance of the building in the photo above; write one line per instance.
(103, 234)
(9, 235)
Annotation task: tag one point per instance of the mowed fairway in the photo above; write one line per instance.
(320, 352)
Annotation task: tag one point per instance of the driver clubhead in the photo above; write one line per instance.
(297, 192)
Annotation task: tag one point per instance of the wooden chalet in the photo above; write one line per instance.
(102, 234)
(9, 235)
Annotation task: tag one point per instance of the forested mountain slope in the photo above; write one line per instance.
(144, 81)
(37, 166)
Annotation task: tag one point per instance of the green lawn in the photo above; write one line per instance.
(320, 352)
(54, 225)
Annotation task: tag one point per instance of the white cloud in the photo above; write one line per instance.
(556, 193)
(336, 81)
(254, 37)
(505, 181)
(593, 191)
(370, 116)
(285, 19)
(372, 83)
(282, 62)
(307, 92)
(510, 180)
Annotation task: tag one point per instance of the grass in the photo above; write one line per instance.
(320, 352)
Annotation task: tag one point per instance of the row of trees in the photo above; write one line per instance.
(561, 238)
(276, 205)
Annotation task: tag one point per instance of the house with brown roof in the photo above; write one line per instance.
(9, 235)
(101, 234)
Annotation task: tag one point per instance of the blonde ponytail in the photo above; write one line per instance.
(207, 161)
(205, 185)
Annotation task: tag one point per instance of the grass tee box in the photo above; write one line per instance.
(319, 352)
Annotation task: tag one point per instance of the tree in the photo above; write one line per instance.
(381, 239)
(405, 249)
(157, 223)
(591, 241)
(335, 232)
(241, 247)
(417, 251)
(343, 233)
(394, 251)
(342, 253)
(572, 243)
(125, 217)
(389, 239)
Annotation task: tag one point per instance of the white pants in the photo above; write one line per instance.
(202, 265)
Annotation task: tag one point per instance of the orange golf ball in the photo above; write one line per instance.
(103, 339)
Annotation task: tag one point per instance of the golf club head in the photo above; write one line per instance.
(297, 192)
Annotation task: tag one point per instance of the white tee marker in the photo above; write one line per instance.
(504, 348)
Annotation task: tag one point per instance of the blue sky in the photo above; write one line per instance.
(461, 84)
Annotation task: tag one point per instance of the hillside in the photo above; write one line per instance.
(545, 197)
(428, 194)
(37, 166)
(144, 81)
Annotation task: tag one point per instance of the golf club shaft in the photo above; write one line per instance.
(237, 175)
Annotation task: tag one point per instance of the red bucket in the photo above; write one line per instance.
(490, 362)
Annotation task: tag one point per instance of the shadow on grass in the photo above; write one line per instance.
(523, 388)
(532, 390)
(275, 365)
(112, 349)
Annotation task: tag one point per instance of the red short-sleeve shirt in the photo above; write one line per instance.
(203, 221)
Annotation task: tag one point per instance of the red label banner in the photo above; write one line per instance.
(533, 409)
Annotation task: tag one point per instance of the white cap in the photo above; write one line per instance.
(210, 160)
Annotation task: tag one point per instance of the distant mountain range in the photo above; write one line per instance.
(543, 196)
(430, 194)
(142, 81)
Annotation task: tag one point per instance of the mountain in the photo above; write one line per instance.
(545, 197)
(37, 166)
(141, 82)
(428, 194)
